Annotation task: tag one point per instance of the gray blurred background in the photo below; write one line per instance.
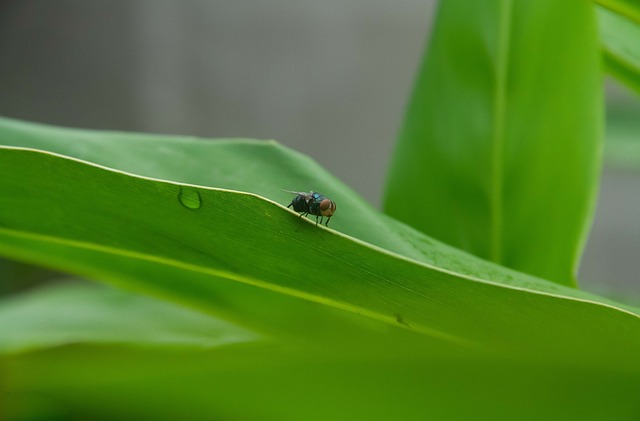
(328, 78)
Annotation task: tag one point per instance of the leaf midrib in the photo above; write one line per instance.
(497, 167)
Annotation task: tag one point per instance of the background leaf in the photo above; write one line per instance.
(69, 313)
(620, 47)
(627, 8)
(489, 160)
(622, 148)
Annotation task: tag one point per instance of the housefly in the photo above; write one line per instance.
(313, 203)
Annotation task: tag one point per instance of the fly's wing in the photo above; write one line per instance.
(300, 203)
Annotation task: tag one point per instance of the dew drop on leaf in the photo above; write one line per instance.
(189, 198)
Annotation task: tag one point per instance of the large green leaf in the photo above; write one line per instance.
(250, 259)
(259, 167)
(371, 320)
(500, 150)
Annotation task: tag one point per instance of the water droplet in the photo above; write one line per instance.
(189, 198)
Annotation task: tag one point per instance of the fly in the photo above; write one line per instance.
(313, 203)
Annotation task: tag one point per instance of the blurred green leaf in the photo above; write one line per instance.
(79, 313)
(622, 148)
(17, 276)
(627, 8)
(400, 329)
(263, 382)
(620, 46)
(500, 149)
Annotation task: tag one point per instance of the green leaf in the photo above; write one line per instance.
(500, 149)
(620, 31)
(259, 167)
(267, 383)
(100, 377)
(622, 148)
(79, 313)
(627, 8)
(255, 262)
(402, 329)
